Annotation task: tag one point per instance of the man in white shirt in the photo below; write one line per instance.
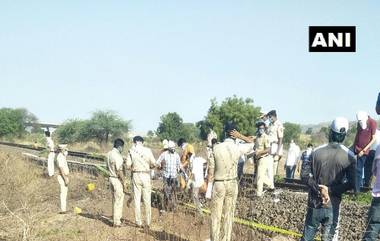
(198, 177)
(51, 155)
(115, 167)
(62, 176)
(291, 160)
(369, 161)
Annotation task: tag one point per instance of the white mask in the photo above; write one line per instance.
(363, 124)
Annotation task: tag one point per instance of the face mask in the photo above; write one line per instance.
(120, 148)
(267, 122)
(363, 124)
(65, 153)
(261, 131)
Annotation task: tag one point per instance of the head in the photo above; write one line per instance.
(181, 141)
(165, 144)
(118, 144)
(62, 148)
(171, 146)
(309, 146)
(213, 141)
(260, 128)
(228, 128)
(338, 130)
(47, 133)
(272, 116)
(138, 140)
(362, 118)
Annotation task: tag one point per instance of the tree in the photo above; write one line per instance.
(309, 131)
(106, 124)
(13, 122)
(320, 137)
(238, 110)
(101, 126)
(171, 127)
(292, 132)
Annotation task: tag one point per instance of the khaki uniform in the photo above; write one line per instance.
(51, 156)
(115, 164)
(275, 131)
(223, 168)
(264, 165)
(140, 159)
(63, 189)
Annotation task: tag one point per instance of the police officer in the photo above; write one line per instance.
(115, 166)
(223, 174)
(63, 176)
(276, 135)
(140, 160)
(263, 159)
(51, 155)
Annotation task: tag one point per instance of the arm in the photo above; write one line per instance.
(308, 176)
(211, 168)
(238, 135)
(345, 186)
(369, 144)
(152, 160)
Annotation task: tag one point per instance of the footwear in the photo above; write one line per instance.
(117, 225)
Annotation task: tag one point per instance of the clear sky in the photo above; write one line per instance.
(65, 59)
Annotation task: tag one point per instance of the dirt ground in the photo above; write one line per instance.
(29, 208)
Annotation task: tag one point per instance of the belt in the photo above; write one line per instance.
(225, 180)
(263, 156)
(148, 172)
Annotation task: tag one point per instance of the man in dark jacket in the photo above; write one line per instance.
(331, 173)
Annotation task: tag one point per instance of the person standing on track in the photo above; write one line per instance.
(292, 159)
(305, 160)
(276, 135)
(263, 159)
(373, 219)
(222, 173)
(364, 139)
(115, 167)
(169, 162)
(140, 160)
(63, 176)
(51, 155)
(331, 173)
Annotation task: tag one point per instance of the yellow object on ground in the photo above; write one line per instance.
(77, 210)
(90, 187)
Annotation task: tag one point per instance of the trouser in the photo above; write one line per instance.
(240, 170)
(373, 221)
(50, 163)
(290, 171)
(62, 193)
(117, 200)
(196, 200)
(264, 174)
(222, 207)
(368, 168)
(170, 185)
(275, 165)
(334, 230)
(142, 187)
(314, 218)
(359, 172)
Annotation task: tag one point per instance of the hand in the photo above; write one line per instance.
(325, 194)
(235, 134)
(276, 158)
(125, 188)
(361, 153)
(66, 180)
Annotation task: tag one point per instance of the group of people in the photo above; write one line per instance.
(329, 171)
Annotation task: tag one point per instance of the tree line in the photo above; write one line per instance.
(105, 125)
